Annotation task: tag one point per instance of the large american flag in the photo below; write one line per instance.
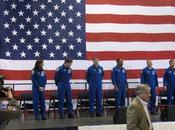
(135, 30)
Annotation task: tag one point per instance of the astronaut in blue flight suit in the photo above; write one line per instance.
(39, 80)
(94, 77)
(149, 77)
(62, 81)
(169, 82)
(119, 80)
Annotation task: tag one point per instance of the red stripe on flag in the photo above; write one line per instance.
(130, 37)
(134, 2)
(131, 55)
(77, 74)
(127, 19)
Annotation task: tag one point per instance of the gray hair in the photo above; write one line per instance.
(142, 88)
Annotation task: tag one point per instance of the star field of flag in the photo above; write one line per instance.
(42, 29)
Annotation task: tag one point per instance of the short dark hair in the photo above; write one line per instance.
(118, 59)
(170, 61)
(68, 60)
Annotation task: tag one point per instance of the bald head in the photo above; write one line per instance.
(95, 62)
(149, 63)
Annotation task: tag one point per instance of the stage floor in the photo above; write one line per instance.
(30, 124)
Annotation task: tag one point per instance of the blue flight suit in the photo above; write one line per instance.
(169, 81)
(39, 79)
(62, 81)
(119, 79)
(94, 77)
(149, 77)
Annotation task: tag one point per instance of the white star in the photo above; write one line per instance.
(28, 19)
(63, 1)
(78, 27)
(35, 0)
(56, 7)
(50, 40)
(23, 54)
(44, 46)
(8, 54)
(14, 33)
(13, 19)
(22, 40)
(29, 33)
(42, 6)
(21, 13)
(43, 33)
(63, 27)
(21, 26)
(7, 40)
(70, 20)
(64, 40)
(15, 47)
(49, 1)
(57, 34)
(70, 7)
(29, 47)
(79, 40)
(78, 1)
(6, 12)
(71, 47)
(71, 34)
(49, 26)
(50, 14)
(57, 47)
(78, 14)
(13, 6)
(79, 54)
(35, 13)
(36, 40)
(21, 0)
(51, 54)
(28, 6)
(36, 26)
(6, 25)
(56, 20)
(63, 14)
(43, 19)
(36, 54)
(65, 54)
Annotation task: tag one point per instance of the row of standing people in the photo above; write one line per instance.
(94, 77)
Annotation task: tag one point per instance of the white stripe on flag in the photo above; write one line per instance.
(80, 64)
(130, 46)
(129, 28)
(130, 10)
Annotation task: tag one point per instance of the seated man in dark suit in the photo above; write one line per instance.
(9, 109)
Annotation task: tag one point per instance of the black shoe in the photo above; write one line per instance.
(61, 116)
(99, 114)
(91, 114)
(70, 115)
(44, 118)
